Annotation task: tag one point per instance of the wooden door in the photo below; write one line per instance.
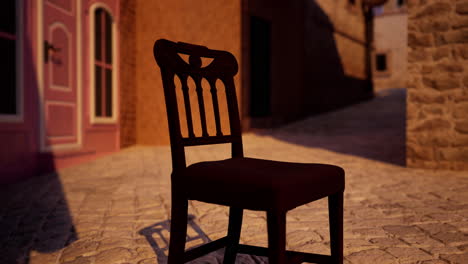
(61, 107)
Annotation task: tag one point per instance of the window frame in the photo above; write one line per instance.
(18, 117)
(92, 64)
(388, 56)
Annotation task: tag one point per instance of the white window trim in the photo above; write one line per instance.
(19, 116)
(92, 106)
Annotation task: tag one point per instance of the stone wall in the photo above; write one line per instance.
(437, 99)
(127, 28)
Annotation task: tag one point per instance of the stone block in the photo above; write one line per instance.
(462, 127)
(416, 40)
(418, 55)
(438, 140)
(435, 124)
(453, 154)
(434, 10)
(450, 67)
(440, 53)
(425, 98)
(419, 152)
(462, 7)
(460, 141)
(459, 97)
(434, 26)
(425, 69)
(460, 22)
(460, 111)
(432, 110)
(459, 36)
(441, 82)
(465, 81)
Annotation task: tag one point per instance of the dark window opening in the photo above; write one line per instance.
(103, 63)
(8, 93)
(260, 32)
(381, 62)
(352, 2)
(400, 3)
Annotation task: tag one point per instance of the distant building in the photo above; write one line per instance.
(389, 57)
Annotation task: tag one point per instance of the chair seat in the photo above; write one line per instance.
(258, 184)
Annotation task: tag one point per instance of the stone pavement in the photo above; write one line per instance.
(115, 209)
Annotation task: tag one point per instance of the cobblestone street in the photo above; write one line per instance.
(116, 209)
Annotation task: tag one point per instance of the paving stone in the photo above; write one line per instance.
(388, 242)
(403, 231)
(451, 238)
(79, 248)
(422, 241)
(435, 228)
(80, 260)
(119, 205)
(434, 261)
(456, 258)
(408, 254)
(371, 256)
(113, 256)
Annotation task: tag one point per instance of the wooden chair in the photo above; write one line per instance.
(238, 182)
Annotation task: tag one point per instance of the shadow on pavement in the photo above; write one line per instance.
(34, 216)
(374, 129)
(157, 236)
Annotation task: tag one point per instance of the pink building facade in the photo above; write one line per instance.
(59, 100)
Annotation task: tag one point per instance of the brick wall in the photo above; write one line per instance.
(437, 101)
(127, 76)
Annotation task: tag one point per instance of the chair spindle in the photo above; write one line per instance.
(214, 96)
(201, 104)
(188, 109)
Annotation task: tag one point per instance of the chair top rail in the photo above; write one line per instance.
(224, 64)
(194, 141)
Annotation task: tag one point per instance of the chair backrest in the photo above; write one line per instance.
(223, 67)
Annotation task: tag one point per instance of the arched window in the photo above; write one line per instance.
(8, 52)
(103, 66)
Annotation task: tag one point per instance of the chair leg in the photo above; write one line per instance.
(177, 240)
(335, 209)
(276, 225)
(234, 231)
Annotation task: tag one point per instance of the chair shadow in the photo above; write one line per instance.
(375, 129)
(160, 244)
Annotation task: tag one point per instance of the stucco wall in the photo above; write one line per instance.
(390, 34)
(212, 23)
(437, 101)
